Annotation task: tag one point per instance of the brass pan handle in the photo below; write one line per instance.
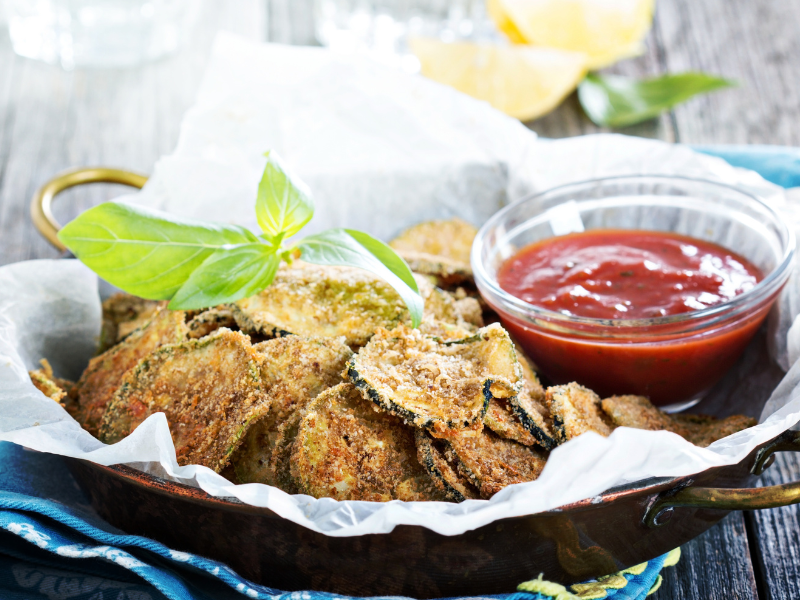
(42, 201)
(732, 498)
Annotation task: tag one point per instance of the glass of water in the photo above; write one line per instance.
(383, 27)
(97, 33)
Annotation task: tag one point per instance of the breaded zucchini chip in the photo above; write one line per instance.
(492, 463)
(451, 238)
(103, 376)
(210, 320)
(444, 332)
(123, 314)
(639, 413)
(346, 449)
(529, 406)
(443, 386)
(439, 305)
(280, 461)
(445, 271)
(51, 386)
(469, 309)
(705, 430)
(322, 301)
(441, 464)
(209, 389)
(294, 372)
(576, 410)
(501, 419)
(446, 307)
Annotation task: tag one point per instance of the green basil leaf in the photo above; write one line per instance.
(283, 204)
(228, 275)
(618, 101)
(348, 248)
(146, 252)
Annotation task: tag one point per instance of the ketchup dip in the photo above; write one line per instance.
(610, 274)
(626, 274)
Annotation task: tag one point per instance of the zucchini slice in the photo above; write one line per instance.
(639, 413)
(321, 301)
(445, 271)
(123, 314)
(449, 238)
(448, 307)
(440, 305)
(103, 376)
(529, 406)
(294, 372)
(209, 389)
(442, 466)
(501, 419)
(51, 386)
(210, 320)
(346, 449)
(469, 309)
(492, 463)
(280, 461)
(576, 410)
(443, 386)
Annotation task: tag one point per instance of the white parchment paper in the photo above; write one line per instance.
(381, 150)
(50, 308)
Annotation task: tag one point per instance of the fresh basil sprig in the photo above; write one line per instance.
(617, 101)
(196, 264)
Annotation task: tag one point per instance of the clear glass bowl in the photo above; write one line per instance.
(673, 359)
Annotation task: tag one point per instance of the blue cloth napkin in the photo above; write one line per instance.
(778, 164)
(54, 546)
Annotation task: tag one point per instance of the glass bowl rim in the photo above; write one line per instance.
(757, 294)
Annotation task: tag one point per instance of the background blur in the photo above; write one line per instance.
(52, 119)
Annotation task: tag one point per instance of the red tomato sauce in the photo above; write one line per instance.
(624, 274)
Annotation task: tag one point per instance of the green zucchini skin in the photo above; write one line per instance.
(390, 406)
(425, 455)
(544, 440)
(560, 428)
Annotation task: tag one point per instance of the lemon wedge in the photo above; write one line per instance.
(606, 30)
(522, 81)
(503, 22)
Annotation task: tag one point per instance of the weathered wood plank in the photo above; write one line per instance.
(714, 566)
(754, 42)
(51, 120)
(776, 535)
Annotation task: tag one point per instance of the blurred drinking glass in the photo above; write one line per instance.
(97, 33)
(382, 27)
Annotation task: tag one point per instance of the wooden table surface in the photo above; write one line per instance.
(51, 120)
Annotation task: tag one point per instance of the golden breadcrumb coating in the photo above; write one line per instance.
(639, 413)
(208, 321)
(441, 464)
(209, 389)
(51, 386)
(349, 450)
(576, 410)
(438, 385)
(492, 463)
(322, 301)
(123, 314)
(104, 374)
(451, 238)
(294, 372)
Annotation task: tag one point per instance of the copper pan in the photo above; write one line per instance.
(594, 537)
